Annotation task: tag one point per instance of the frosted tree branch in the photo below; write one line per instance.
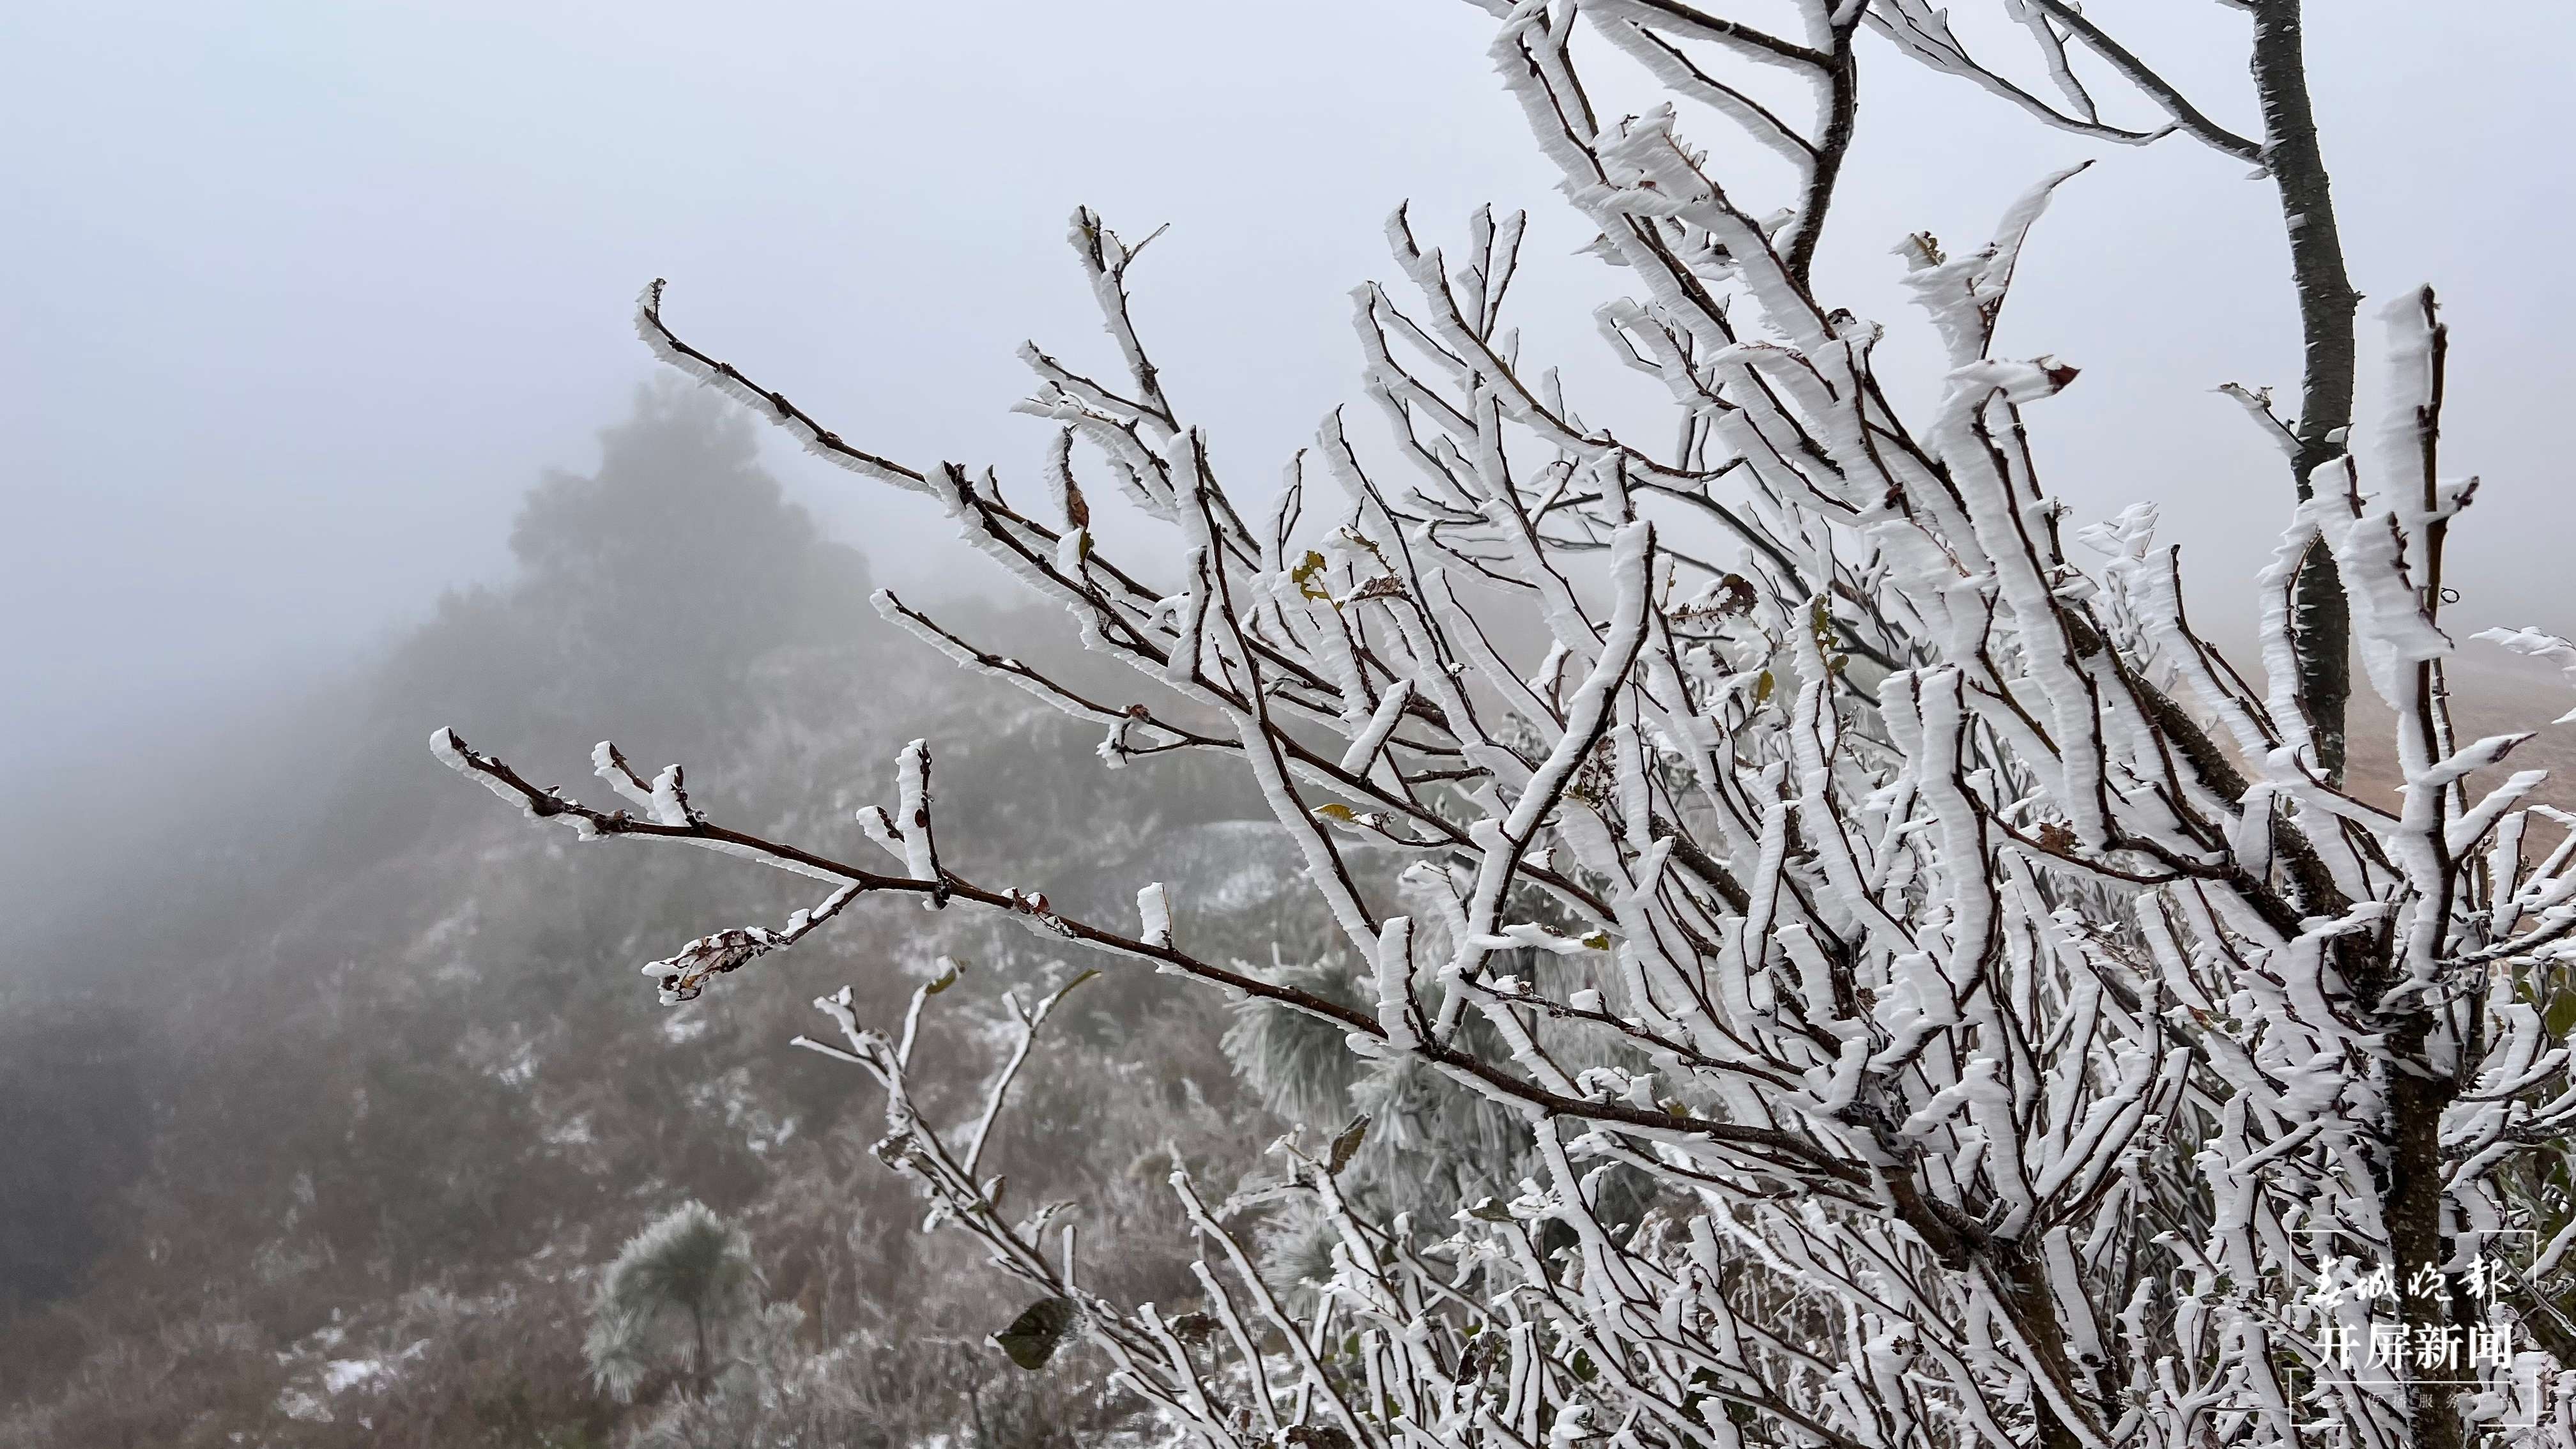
(2017, 1014)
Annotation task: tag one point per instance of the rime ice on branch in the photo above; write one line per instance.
(2005, 986)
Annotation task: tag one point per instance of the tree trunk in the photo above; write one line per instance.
(2322, 622)
(2413, 1206)
(2320, 615)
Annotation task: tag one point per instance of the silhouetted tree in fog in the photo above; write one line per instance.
(647, 589)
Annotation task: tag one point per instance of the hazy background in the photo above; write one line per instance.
(332, 1085)
(300, 297)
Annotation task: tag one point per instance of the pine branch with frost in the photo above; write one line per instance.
(677, 1292)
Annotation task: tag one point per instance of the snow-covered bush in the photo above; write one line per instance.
(2025, 1032)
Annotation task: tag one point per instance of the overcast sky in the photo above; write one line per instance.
(299, 297)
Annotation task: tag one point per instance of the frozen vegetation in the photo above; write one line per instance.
(1937, 995)
(1509, 934)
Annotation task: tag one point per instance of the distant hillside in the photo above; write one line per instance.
(331, 1152)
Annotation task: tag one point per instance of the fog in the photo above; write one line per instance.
(303, 296)
(323, 423)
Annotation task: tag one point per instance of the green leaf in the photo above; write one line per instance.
(947, 977)
(1037, 1333)
(1346, 1145)
(1489, 1211)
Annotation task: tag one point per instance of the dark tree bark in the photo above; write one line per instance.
(2320, 614)
(1842, 112)
(2419, 1091)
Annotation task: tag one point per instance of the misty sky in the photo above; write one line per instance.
(300, 297)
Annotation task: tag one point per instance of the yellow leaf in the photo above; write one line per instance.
(1303, 576)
